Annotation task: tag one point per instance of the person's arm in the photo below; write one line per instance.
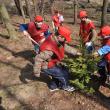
(71, 50)
(92, 32)
(102, 51)
(93, 35)
(24, 28)
(41, 59)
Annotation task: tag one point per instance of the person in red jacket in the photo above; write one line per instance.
(37, 31)
(50, 55)
(57, 20)
(87, 31)
(104, 51)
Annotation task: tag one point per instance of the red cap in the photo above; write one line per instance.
(82, 14)
(38, 18)
(104, 31)
(65, 32)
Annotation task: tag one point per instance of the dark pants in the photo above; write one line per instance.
(59, 76)
(102, 70)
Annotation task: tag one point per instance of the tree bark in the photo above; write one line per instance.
(18, 6)
(88, 1)
(35, 6)
(22, 10)
(6, 19)
(75, 11)
(29, 9)
(41, 7)
(52, 6)
(104, 13)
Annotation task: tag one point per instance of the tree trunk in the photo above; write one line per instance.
(52, 6)
(29, 9)
(41, 7)
(18, 6)
(7, 21)
(88, 1)
(75, 11)
(21, 8)
(35, 6)
(104, 13)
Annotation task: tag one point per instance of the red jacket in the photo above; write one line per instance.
(51, 45)
(55, 19)
(37, 34)
(85, 31)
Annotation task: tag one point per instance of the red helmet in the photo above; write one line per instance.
(38, 18)
(65, 32)
(104, 31)
(82, 14)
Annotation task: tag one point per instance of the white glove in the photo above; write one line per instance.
(88, 44)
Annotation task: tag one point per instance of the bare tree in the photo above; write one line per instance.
(6, 19)
(104, 13)
(29, 9)
(35, 6)
(52, 5)
(41, 6)
(88, 1)
(18, 6)
(75, 11)
(21, 8)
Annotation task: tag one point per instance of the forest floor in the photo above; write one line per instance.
(19, 90)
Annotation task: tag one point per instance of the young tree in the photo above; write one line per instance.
(104, 13)
(6, 19)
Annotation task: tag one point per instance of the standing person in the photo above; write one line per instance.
(104, 51)
(87, 31)
(36, 30)
(47, 61)
(57, 20)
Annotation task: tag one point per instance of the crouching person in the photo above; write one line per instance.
(51, 53)
(104, 51)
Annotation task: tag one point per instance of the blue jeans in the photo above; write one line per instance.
(60, 77)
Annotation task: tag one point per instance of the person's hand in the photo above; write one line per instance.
(95, 54)
(79, 53)
(26, 33)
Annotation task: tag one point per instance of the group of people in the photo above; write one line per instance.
(50, 47)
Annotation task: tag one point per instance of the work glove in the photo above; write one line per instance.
(88, 44)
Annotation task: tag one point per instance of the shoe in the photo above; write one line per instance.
(69, 89)
(52, 90)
